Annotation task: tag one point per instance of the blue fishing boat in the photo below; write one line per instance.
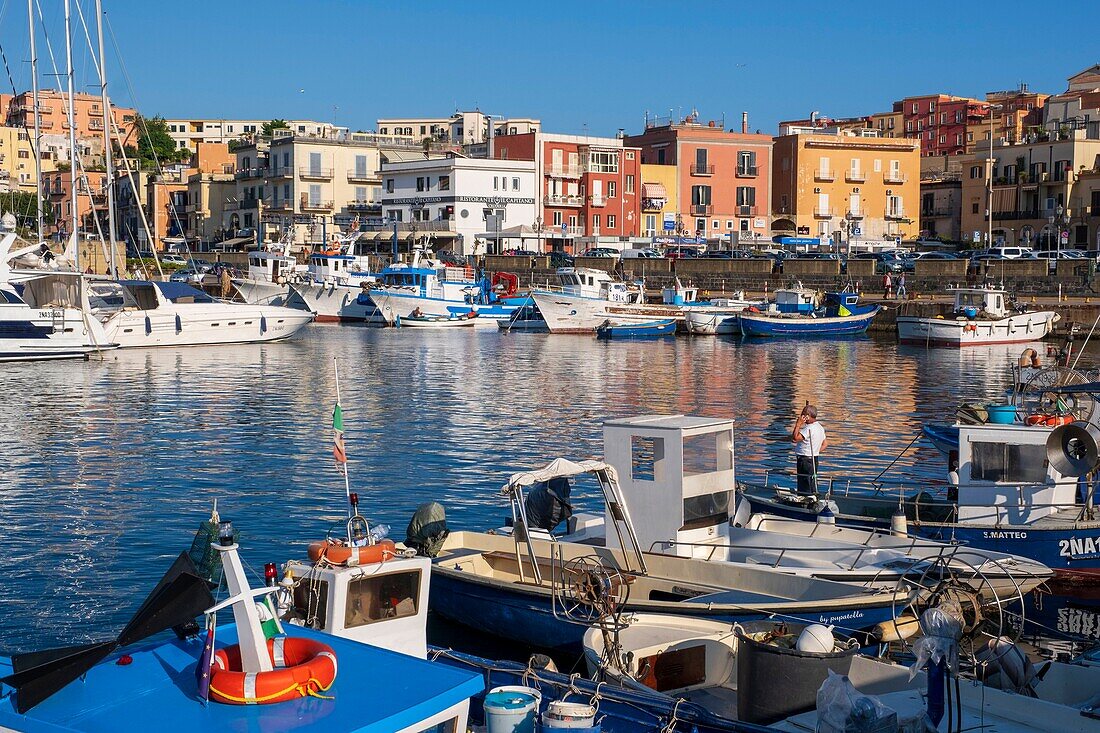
(944, 437)
(796, 314)
(646, 330)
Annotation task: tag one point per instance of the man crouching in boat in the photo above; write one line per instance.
(809, 440)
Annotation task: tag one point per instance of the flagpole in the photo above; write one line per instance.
(343, 448)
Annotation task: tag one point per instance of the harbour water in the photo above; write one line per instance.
(108, 466)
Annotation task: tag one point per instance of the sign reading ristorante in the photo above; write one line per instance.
(491, 200)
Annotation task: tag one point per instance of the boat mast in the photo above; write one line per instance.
(69, 114)
(37, 131)
(108, 156)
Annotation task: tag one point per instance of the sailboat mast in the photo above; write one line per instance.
(37, 125)
(69, 114)
(108, 155)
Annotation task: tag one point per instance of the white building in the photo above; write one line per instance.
(189, 133)
(461, 128)
(455, 201)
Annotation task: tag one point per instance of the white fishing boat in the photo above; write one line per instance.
(792, 677)
(425, 321)
(268, 278)
(585, 298)
(337, 290)
(720, 318)
(141, 313)
(980, 317)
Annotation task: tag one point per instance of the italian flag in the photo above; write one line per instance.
(338, 434)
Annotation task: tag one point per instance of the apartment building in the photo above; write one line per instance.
(312, 185)
(660, 204)
(87, 117)
(1078, 106)
(841, 186)
(461, 128)
(888, 124)
(205, 207)
(1041, 195)
(468, 205)
(17, 161)
(189, 133)
(723, 186)
(941, 121)
(91, 200)
(589, 187)
(941, 206)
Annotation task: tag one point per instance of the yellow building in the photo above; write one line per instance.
(17, 164)
(888, 124)
(831, 186)
(659, 202)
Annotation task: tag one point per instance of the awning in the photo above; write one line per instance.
(654, 191)
(559, 468)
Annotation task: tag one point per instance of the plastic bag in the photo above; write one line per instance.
(841, 708)
(942, 630)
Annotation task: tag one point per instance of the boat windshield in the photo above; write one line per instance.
(976, 300)
(107, 297)
(10, 297)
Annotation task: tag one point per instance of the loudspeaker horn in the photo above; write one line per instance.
(1074, 449)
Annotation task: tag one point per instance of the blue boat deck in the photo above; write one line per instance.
(376, 690)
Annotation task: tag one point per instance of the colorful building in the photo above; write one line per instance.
(53, 121)
(723, 178)
(589, 187)
(660, 204)
(17, 160)
(57, 192)
(941, 121)
(860, 188)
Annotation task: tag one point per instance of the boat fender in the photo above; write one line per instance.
(826, 516)
(899, 523)
(304, 667)
(816, 639)
(338, 553)
(973, 327)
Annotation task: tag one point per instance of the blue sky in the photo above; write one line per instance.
(594, 66)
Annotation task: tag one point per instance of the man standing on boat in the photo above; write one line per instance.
(809, 440)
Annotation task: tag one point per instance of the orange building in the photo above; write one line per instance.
(87, 114)
(723, 178)
(57, 190)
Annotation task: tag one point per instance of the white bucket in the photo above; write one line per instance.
(561, 715)
(511, 709)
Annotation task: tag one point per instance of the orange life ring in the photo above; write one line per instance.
(338, 553)
(303, 667)
(1035, 419)
(1056, 420)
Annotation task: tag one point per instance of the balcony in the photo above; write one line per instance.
(747, 171)
(232, 205)
(250, 173)
(702, 209)
(362, 177)
(823, 212)
(597, 200)
(653, 204)
(279, 205)
(563, 201)
(895, 214)
(823, 175)
(365, 206)
(937, 213)
(305, 204)
(702, 170)
(249, 204)
(894, 177)
(315, 174)
(855, 213)
(855, 177)
(565, 171)
(282, 171)
(745, 210)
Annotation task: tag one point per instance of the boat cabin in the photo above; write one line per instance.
(1005, 477)
(974, 302)
(385, 604)
(109, 296)
(265, 266)
(676, 476)
(587, 282)
(796, 300)
(679, 294)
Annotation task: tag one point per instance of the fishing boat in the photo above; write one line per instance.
(428, 321)
(337, 289)
(793, 677)
(516, 580)
(636, 331)
(980, 316)
(527, 318)
(269, 274)
(720, 317)
(841, 315)
(144, 313)
(257, 673)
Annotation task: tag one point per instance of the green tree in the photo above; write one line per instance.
(25, 208)
(155, 144)
(270, 127)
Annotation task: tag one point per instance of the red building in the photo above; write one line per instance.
(590, 187)
(723, 178)
(940, 121)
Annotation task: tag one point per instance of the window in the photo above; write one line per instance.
(381, 597)
(557, 218)
(1024, 464)
(394, 214)
(360, 193)
(700, 160)
(746, 196)
(595, 221)
(916, 107)
(943, 139)
(286, 191)
(496, 183)
(360, 166)
(707, 510)
(572, 221)
(444, 183)
(610, 221)
(976, 171)
(974, 209)
(943, 118)
(315, 194)
(389, 185)
(630, 155)
(714, 224)
(420, 183)
(700, 195)
(610, 190)
(628, 185)
(746, 163)
(646, 457)
(958, 138)
(877, 166)
(661, 156)
(515, 184)
(603, 162)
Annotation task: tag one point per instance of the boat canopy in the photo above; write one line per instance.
(175, 292)
(559, 468)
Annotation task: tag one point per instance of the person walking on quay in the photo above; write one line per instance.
(887, 286)
(901, 286)
(809, 440)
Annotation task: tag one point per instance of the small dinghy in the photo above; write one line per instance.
(646, 330)
(430, 321)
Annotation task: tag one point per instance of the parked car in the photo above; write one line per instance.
(173, 259)
(825, 256)
(719, 254)
(884, 263)
(521, 253)
(193, 275)
(1010, 253)
(646, 253)
(681, 252)
(600, 252)
(561, 259)
(448, 257)
(934, 256)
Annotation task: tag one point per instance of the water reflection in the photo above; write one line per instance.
(109, 465)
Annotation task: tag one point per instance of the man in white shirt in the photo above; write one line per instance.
(809, 440)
